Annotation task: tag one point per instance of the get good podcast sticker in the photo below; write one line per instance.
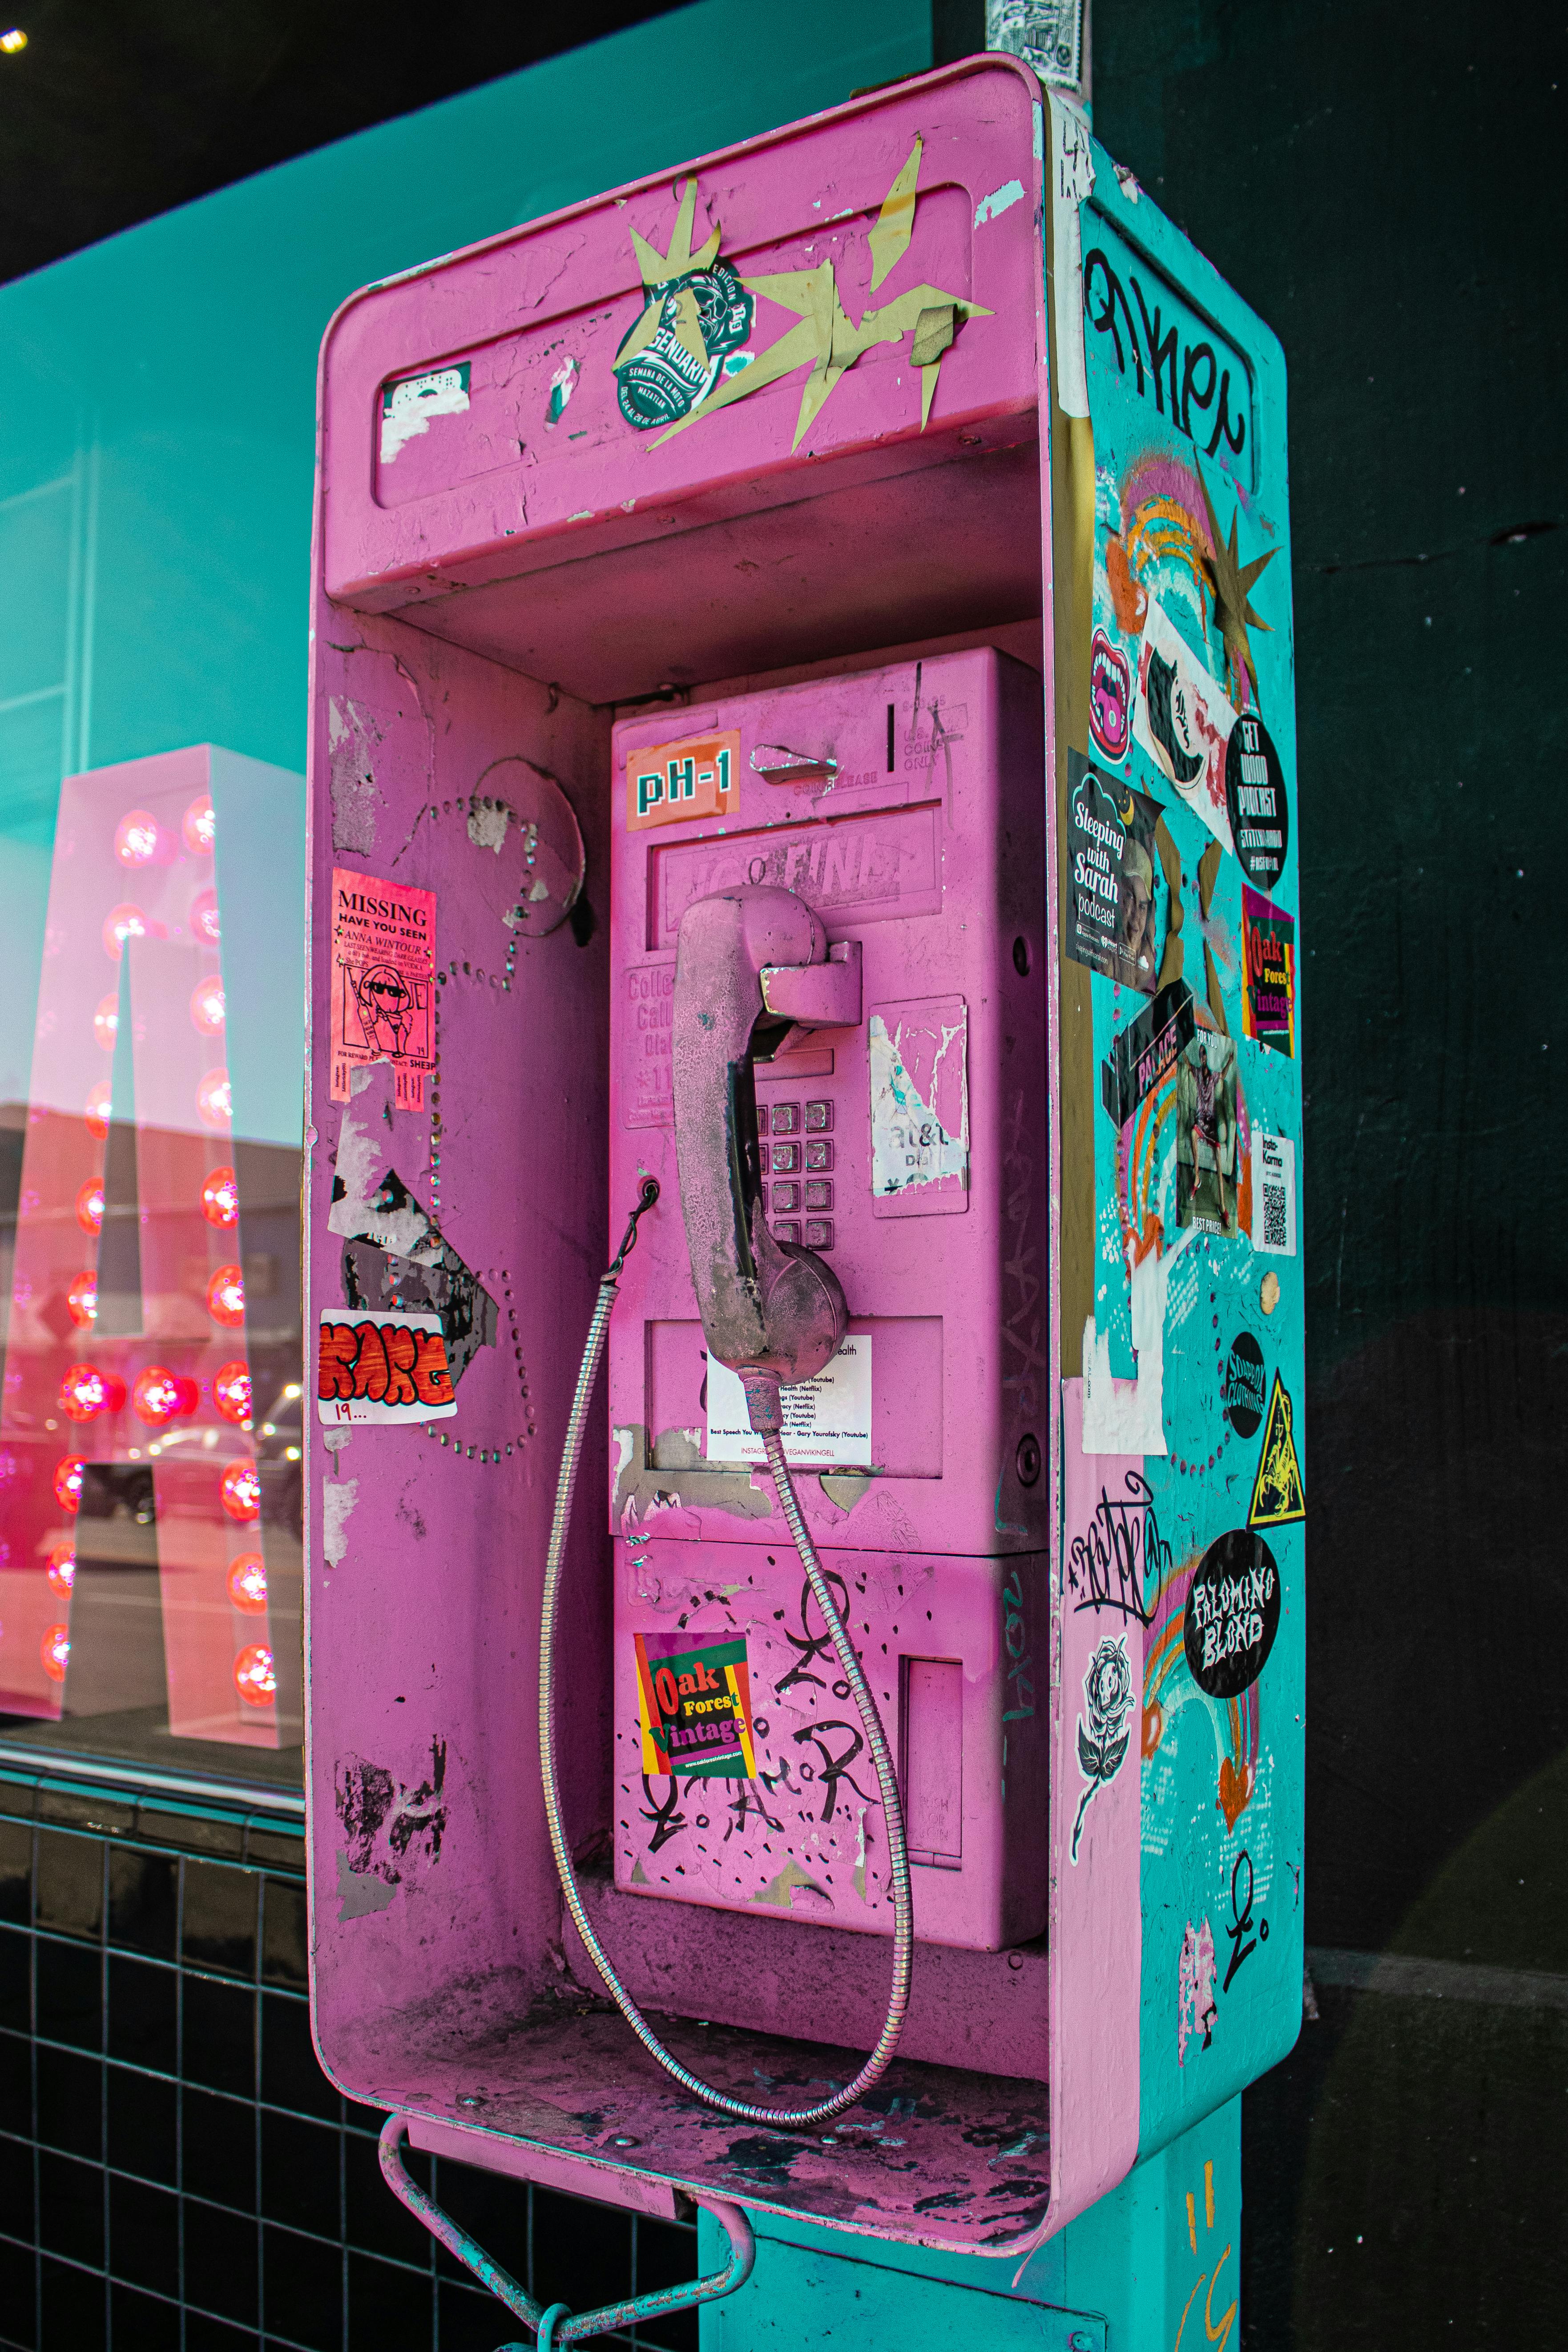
(382, 1365)
(1255, 799)
(384, 982)
(695, 1699)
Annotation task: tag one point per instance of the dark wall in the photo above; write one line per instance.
(1382, 182)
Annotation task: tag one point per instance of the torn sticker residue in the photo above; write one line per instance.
(353, 735)
(919, 1106)
(407, 407)
(562, 385)
(999, 201)
(387, 1823)
(394, 1262)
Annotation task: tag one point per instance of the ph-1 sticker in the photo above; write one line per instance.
(377, 1365)
(695, 1700)
(827, 1422)
(698, 776)
(384, 982)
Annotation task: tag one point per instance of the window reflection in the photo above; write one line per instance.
(151, 1408)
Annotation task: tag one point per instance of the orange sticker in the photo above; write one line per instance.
(667, 782)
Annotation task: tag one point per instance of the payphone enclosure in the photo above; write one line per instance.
(855, 513)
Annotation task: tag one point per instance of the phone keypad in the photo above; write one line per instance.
(813, 1155)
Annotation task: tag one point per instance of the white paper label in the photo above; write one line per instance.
(827, 1422)
(1273, 1193)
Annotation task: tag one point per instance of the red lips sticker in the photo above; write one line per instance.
(1110, 698)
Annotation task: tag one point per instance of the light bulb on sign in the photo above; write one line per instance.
(207, 1005)
(68, 1474)
(105, 1022)
(84, 1392)
(231, 1391)
(240, 1491)
(90, 1207)
(61, 1570)
(253, 1676)
(220, 1199)
(225, 1298)
(81, 1300)
(159, 1394)
(55, 1650)
(203, 915)
(136, 837)
(122, 923)
(213, 1101)
(200, 827)
(97, 1108)
(248, 1583)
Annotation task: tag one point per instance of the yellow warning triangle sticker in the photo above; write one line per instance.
(1277, 1496)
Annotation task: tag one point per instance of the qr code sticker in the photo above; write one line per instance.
(1274, 1193)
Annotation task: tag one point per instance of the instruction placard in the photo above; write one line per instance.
(827, 1422)
(384, 982)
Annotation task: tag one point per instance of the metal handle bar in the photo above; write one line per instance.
(556, 2325)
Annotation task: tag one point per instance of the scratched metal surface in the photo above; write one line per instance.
(935, 2155)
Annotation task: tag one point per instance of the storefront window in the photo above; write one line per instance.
(150, 1416)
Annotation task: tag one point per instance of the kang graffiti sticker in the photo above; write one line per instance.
(1254, 800)
(695, 1700)
(699, 775)
(1278, 1497)
(1184, 719)
(1273, 1194)
(826, 1420)
(382, 1365)
(1207, 1169)
(1269, 996)
(1233, 1615)
(384, 982)
(1111, 912)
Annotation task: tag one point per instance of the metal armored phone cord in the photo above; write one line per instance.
(892, 1811)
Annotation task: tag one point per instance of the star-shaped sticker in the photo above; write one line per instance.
(827, 340)
(1232, 581)
(659, 270)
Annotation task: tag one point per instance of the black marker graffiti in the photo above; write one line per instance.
(667, 1822)
(1023, 1327)
(814, 1645)
(1120, 1560)
(834, 1769)
(1197, 361)
(1241, 1919)
(748, 1802)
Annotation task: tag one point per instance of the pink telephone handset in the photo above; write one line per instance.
(774, 1312)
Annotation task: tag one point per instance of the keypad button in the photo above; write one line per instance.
(818, 1195)
(818, 1117)
(787, 1118)
(819, 1151)
(762, 1195)
(762, 1119)
(819, 1233)
(788, 1231)
(786, 1159)
(786, 1197)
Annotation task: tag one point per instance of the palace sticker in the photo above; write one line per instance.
(384, 982)
(1273, 1194)
(1232, 1614)
(699, 775)
(1277, 1495)
(695, 1700)
(826, 1420)
(1111, 913)
(1146, 1051)
(1255, 799)
(1268, 997)
(377, 1365)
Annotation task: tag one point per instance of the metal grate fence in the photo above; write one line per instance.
(175, 2171)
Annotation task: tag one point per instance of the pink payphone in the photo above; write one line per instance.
(802, 770)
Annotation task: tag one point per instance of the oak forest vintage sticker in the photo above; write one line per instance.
(695, 1701)
(1268, 994)
(384, 982)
